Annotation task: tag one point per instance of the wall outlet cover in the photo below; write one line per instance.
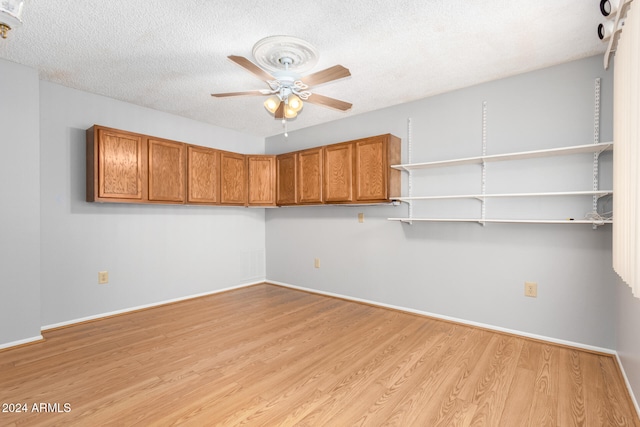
(103, 277)
(531, 289)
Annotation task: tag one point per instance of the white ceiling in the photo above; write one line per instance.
(171, 55)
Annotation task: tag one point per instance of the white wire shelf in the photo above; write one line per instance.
(599, 193)
(577, 149)
(514, 221)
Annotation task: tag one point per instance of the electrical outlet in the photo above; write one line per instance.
(103, 277)
(361, 217)
(531, 289)
(316, 263)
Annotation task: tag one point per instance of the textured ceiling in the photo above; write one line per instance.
(171, 55)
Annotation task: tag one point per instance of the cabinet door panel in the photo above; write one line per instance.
(203, 171)
(338, 173)
(166, 171)
(310, 176)
(375, 180)
(119, 165)
(286, 165)
(233, 183)
(261, 171)
(371, 169)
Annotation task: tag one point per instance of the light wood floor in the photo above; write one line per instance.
(266, 355)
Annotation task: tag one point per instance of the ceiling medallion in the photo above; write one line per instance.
(299, 54)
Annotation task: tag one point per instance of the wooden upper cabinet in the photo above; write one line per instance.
(203, 175)
(375, 180)
(310, 176)
(116, 163)
(166, 171)
(233, 179)
(286, 182)
(126, 167)
(338, 173)
(262, 180)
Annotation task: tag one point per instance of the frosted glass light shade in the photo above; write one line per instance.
(290, 113)
(295, 103)
(271, 104)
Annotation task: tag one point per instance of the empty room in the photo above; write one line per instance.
(320, 213)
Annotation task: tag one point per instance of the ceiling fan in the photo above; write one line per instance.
(283, 58)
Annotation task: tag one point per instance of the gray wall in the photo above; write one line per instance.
(153, 253)
(467, 271)
(20, 213)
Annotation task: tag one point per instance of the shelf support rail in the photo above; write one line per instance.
(484, 164)
(596, 140)
(409, 160)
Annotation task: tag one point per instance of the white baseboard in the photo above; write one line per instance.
(141, 307)
(21, 342)
(453, 319)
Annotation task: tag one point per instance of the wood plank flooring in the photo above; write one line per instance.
(270, 356)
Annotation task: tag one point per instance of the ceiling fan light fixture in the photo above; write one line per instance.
(10, 15)
(294, 103)
(290, 113)
(272, 103)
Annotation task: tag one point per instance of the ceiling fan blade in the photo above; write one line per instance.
(314, 98)
(251, 67)
(245, 93)
(279, 114)
(333, 73)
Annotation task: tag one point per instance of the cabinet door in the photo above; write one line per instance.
(286, 166)
(166, 171)
(233, 179)
(203, 175)
(115, 165)
(371, 169)
(375, 180)
(262, 180)
(310, 176)
(338, 173)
